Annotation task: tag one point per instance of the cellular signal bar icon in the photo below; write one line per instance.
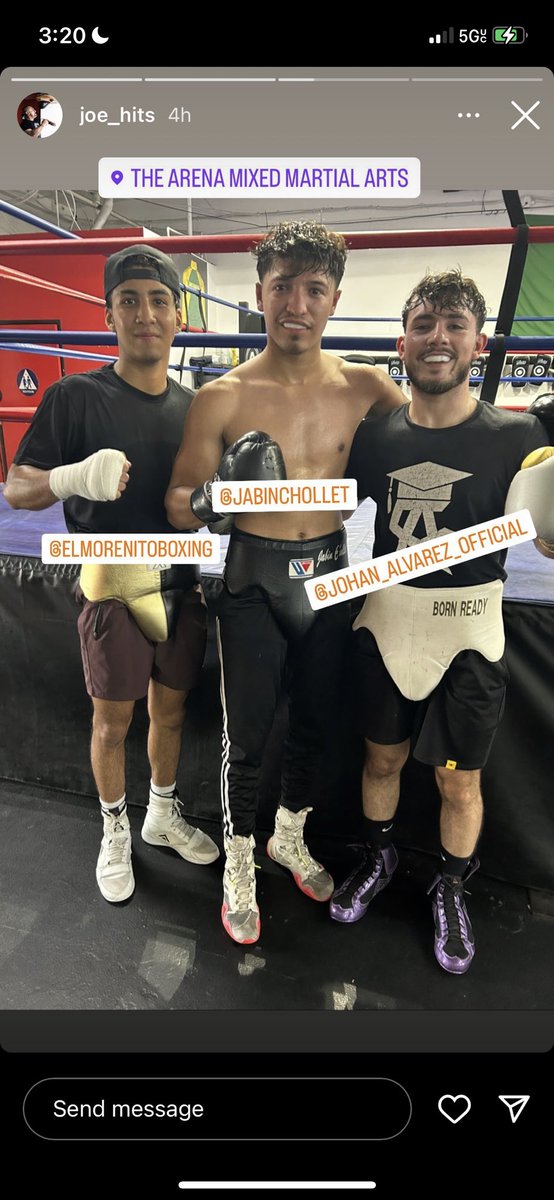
(446, 36)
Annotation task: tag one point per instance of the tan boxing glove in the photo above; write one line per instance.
(533, 488)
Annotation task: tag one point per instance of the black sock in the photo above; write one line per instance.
(453, 866)
(378, 833)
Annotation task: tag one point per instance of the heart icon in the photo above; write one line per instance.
(454, 1108)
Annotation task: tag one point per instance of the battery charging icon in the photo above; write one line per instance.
(508, 35)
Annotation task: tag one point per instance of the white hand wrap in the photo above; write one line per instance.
(95, 478)
(533, 488)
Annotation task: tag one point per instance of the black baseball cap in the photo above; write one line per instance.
(141, 262)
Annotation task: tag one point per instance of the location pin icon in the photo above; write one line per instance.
(117, 176)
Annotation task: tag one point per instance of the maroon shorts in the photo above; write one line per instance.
(119, 661)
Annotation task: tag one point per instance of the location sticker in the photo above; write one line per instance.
(117, 176)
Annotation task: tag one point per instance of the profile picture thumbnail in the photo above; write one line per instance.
(39, 115)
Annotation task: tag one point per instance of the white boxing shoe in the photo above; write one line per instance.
(164, 825)
(114, 871)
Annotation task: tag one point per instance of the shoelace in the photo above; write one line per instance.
(302, 853)
(177, 820)
(117, 844)
(454, 918)
(242, 884)
(366, 859)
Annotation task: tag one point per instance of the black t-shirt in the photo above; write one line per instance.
(33, 122)
(430, 482)
(29, 123)
(84, 413)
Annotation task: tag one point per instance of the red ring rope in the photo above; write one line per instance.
(241, 242)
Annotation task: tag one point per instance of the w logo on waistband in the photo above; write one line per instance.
(300, 568)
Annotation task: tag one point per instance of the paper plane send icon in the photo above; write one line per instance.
(515, 1105)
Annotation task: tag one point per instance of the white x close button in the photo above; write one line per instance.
(525, 114)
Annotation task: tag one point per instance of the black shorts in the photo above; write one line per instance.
(453, 727)
(119, 661)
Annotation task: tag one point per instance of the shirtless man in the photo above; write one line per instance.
(309, 404)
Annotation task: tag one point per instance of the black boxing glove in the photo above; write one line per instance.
(253, 456)
(543, 408)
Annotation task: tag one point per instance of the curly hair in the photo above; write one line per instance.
(306, 246)
(448, 290)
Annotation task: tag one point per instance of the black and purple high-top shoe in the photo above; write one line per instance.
(374, 869)
(454, 941)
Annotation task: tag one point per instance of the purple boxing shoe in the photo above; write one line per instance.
(373, 871)
(454, 941)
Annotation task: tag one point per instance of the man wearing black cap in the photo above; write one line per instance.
(104, 442)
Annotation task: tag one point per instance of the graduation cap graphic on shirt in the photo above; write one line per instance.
(422, 491)
(427, 480)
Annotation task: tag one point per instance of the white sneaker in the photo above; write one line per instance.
(239, 912)
(165, 826)
(288, 848)
(114, 872)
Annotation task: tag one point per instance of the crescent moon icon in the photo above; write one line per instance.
(97, 36)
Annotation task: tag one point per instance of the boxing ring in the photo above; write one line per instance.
(45, 712)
